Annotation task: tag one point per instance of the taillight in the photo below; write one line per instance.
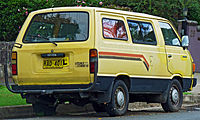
(93, 59)
(193, 67)
(14, 63)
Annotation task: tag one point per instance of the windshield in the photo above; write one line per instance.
(58, 27)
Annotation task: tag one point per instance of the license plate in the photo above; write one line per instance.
(55, 63)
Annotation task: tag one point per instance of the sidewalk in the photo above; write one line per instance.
(195, 93)
(27, 111)
(196, 90)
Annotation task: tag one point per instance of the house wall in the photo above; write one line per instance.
(194, 37)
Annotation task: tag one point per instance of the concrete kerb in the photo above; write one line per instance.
(16, 111)
(191, 99)
(26, 110)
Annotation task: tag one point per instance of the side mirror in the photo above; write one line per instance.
(185, 41)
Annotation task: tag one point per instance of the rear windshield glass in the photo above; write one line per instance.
(58, 27)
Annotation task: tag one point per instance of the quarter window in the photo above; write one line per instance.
(142, 32)
(114, 29)
(169, 35)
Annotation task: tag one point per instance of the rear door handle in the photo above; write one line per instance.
(169, 56)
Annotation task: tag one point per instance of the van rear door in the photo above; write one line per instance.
(56, 49)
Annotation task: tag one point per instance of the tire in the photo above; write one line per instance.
(175, 97)
(119, 99)
(99, 107)
(44, 106)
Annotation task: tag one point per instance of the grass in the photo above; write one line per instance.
(187, 93)
(8, 98)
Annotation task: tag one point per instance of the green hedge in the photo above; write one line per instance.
(14, 12)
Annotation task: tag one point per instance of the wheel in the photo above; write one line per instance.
(99, 107)
(119, 99)
(175, 97)
(44, 106)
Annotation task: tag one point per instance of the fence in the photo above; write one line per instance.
(5, 51)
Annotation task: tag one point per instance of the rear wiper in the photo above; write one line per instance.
(46, 39)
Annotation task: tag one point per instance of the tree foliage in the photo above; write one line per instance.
(14, 12)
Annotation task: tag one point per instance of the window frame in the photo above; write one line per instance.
(113, 38)
(137, 21)
(29, 24)
(174, 31)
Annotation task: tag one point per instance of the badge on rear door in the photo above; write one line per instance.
(81, 64)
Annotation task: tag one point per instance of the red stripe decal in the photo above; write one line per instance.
(125, 55)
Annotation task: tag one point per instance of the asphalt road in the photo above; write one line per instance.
(149, 114)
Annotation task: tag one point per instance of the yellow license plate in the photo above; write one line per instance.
(55, 63)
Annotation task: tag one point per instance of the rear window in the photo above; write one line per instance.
(58, 27)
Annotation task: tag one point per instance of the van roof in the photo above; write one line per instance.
(108, 10)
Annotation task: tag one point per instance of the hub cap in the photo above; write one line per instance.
(120, 98)
(175, 96)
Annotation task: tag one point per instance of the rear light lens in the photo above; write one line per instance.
(93, 53)
(14, 56)
(92, 67)
(193, 67)
(14, 69)
(93, 59)
(14, 63)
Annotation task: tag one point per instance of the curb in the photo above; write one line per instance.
(16, 111)
(191, 98)
(27, 111)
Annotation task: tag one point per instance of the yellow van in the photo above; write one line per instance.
(106, 57)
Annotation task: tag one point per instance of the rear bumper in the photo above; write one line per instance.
(102, 84)
(50, 88)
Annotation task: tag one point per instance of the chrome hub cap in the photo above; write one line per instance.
(175, 96)
(120, 98)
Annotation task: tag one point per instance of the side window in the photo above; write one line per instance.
(114, 29)
(142, 32)
(169, 35)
